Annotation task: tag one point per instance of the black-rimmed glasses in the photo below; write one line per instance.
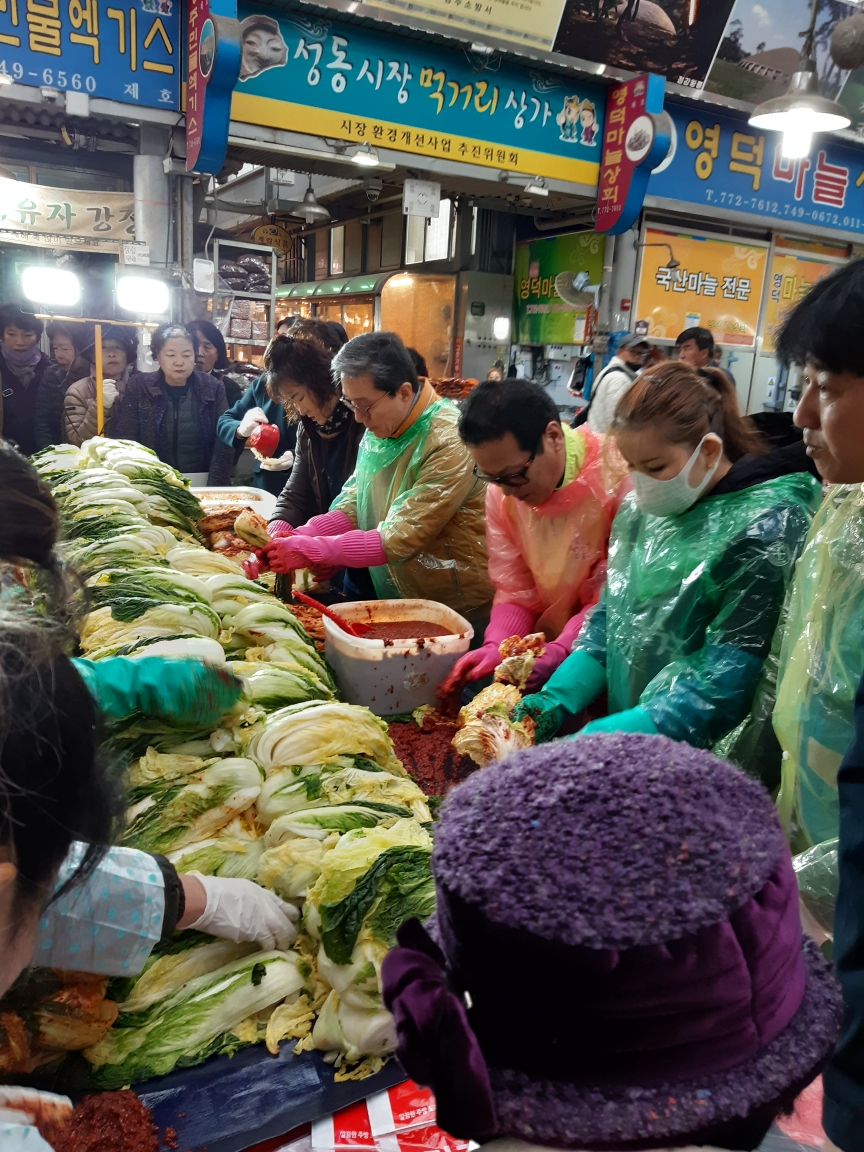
(517, 480)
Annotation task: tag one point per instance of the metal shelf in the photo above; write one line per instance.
(228, 294)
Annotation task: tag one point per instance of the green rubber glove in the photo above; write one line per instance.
(182, 691)
(630, 720)
(570, 688)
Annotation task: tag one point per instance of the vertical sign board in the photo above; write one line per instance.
(635, 141)
(212, 68)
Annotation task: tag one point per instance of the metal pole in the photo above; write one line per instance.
(100, 399)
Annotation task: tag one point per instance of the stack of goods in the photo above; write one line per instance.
(293, 790)
(249, 319)
(250, 273)
(455, 387)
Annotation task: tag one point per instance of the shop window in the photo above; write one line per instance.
(337, 251)
(428, 240)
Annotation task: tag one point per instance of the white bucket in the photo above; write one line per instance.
(399, 675)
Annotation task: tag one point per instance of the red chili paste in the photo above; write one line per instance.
(428, 755)
(405, 630)
(110, 1122)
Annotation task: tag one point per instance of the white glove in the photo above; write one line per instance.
(250, 422)
(240, 910)
(109, 393)
(278, 463)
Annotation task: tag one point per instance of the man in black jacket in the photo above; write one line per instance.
(822, 333)
(22, 366)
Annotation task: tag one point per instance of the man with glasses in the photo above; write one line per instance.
(412, 513)
(552, 492)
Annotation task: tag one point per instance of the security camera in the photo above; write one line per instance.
(372, 186)
(51, 95)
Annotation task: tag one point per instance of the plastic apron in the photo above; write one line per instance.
(551, 559)
(691, 604)
(821, 661)
(419, 492)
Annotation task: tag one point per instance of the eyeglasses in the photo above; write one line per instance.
(361, 408)
(517, 480)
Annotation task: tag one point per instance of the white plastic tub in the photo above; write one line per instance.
(215, 498)
(399, 675)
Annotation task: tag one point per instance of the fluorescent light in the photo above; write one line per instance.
(143, 294)
(365, 156)
(501, 329)
(5, 78)
(52, 287)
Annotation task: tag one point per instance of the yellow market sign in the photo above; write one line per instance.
(792, 276)
(718, 286)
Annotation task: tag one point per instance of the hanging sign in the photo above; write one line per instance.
(212, 67)
(542, 316)
(718, 287)
(532, 22)
(722, 163)
(129, 54)
(350, 82)
(276, 235)
(65, 217)
(635, 140)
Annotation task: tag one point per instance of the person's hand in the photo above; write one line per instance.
(252, 567)
(250, 422)
(553, 655)
(109, 393)
(630, 720)
(185, 691)
(472, 666)
(285, 555)
(546, 714)
(278, 463)
(240, 910)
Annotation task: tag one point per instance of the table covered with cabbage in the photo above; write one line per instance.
(294, 790)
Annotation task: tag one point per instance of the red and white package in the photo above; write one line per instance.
(348, 1128)
(402, 1119)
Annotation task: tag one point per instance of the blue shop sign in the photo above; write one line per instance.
(130, 53)
(347, 82)
(720, 162)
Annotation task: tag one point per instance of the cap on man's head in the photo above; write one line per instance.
(633, 340)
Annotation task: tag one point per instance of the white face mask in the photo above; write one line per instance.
(672, 497)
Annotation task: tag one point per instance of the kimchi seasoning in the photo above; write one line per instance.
(109, 1122)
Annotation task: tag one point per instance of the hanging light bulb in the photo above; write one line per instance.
(802, 111)
(366, 157)
(311, 211)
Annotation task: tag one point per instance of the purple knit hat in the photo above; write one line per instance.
(621, 960)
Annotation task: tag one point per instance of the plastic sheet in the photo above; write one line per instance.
(818, 880)
(691, 604)
(418, 490)
(551, 559)
(820, 664)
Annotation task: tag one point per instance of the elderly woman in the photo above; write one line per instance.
(70, 344)
(22, 366)
(413, 512)
(175, 410)
(119, 347)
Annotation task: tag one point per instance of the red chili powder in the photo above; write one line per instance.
(110, 1122)
(428, 754)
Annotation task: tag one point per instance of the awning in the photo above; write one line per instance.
(339, 286)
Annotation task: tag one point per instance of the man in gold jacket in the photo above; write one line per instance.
(413, 512)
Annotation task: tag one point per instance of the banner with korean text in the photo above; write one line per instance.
(127, 53)
(542, 316)
(350, 82)
(792, 276)
(65, 217)
(718, 286)
(723, 164)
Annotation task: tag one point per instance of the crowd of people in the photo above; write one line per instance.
(698, 589)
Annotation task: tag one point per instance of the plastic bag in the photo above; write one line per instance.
(821, 659)
(818, 880)
(691, 603)
(552, 559)
(418, 490)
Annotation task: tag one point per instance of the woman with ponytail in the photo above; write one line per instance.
(700, 557)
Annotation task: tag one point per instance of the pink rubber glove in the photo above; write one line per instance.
(252, 568)
(472, 666)
(328, 524)
(556, 652)
(354, 549)
(279, 528)
(284, 555)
